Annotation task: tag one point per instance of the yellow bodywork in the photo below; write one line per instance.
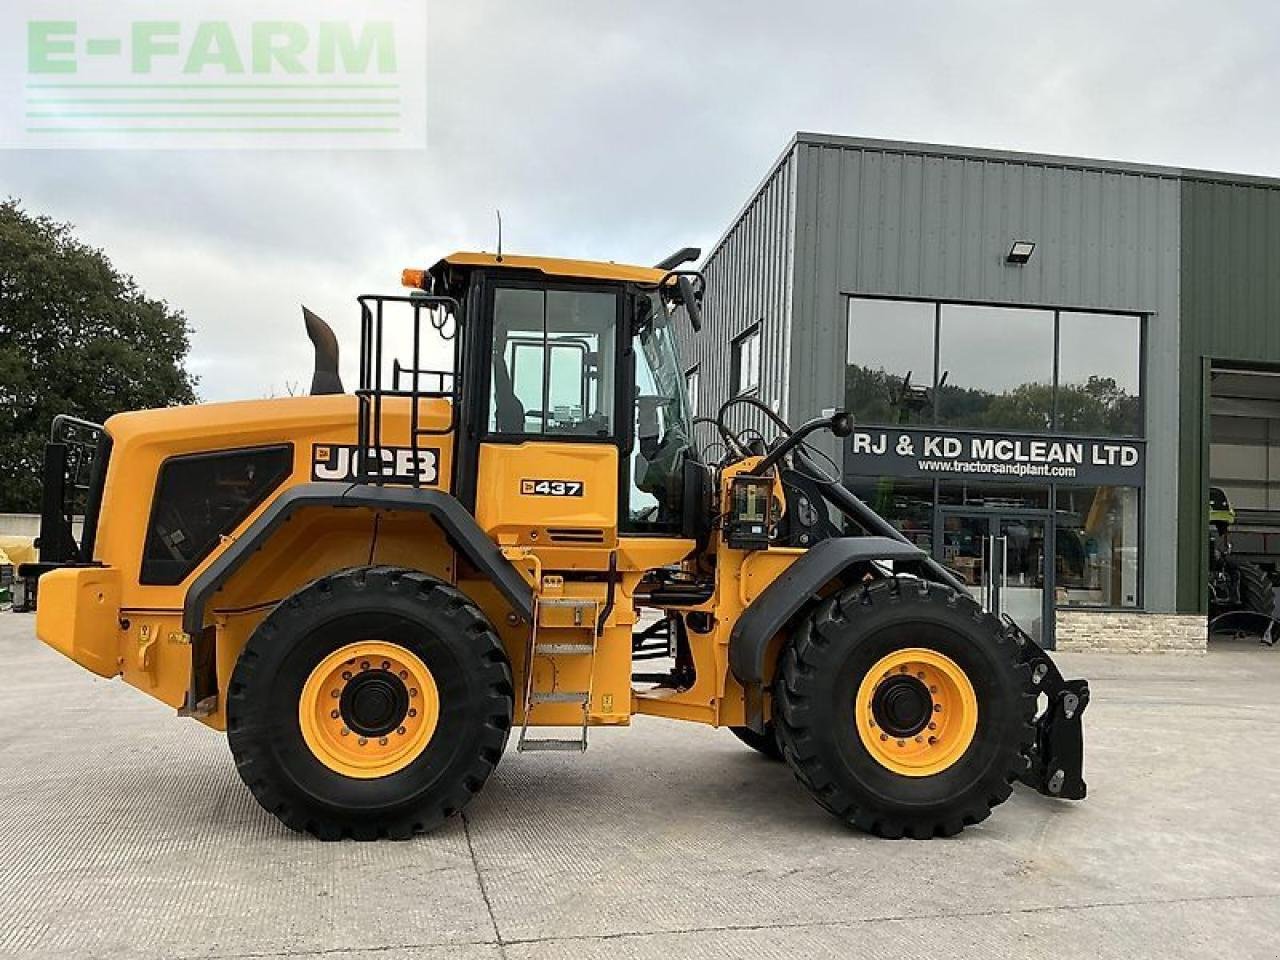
(114, 625)
(16, 550)
(558, 267)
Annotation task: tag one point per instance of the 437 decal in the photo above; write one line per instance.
(551, 488)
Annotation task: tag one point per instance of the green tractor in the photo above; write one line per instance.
(1241, 595)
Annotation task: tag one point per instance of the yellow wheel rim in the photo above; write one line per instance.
(916, 712)
(369, 709)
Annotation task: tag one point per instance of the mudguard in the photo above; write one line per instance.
(787, 596)
(459, 526)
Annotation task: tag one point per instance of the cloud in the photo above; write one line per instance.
(623, 130)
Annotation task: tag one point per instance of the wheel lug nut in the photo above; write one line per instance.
(334, 694)
(364, 665)
(345, 731)
(932, 725)
(901, 743)
(334, 714)
(401, 731)
(937, 708)
(404, 674)
(363, 741)
(382, 741)
(933, 688)
(919, 739)
(932, 741)
(413, 691)
(386, 664)
(413, 713)
(346, 674)
(884, 736)
(903, 669)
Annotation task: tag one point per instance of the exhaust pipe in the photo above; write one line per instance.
(325, 380)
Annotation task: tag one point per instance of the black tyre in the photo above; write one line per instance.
(903, 709)
(766, 743)
(1255, 588)
(372, 703)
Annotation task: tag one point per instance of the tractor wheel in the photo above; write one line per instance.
(903, 708)
(766, 743)
(1255, 589)
(372, 703)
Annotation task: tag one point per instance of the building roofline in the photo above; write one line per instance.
(751, 199)
(1040, 159)
(807, 138)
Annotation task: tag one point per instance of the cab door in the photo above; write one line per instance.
(547, 470)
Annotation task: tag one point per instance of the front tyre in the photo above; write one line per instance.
(904, 709)
(372, 703)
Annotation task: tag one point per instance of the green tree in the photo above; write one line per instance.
(76, 337)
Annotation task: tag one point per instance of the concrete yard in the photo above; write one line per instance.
(126, 833)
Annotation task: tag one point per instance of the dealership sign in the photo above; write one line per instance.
(969, 455)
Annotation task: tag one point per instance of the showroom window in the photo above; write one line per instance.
(1097, 384)
(994, 368)
(907, 504)
(746, 362)
(889, 376)
(1096, 546)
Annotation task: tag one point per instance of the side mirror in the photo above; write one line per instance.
(692, 304)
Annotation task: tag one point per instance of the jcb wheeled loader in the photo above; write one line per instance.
(370, 591)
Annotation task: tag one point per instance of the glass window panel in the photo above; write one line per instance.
(889, 342)
(554, 362)
(691, 389)
(998, 365)
(907, 504)
(1003, 496)
(746, 362)
(1099, 360)
(1096, 552)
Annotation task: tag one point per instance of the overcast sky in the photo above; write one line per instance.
(622, 130)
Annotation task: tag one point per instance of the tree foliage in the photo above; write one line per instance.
(76, 337)
(1098, 406)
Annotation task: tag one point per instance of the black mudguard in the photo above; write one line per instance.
(788, 595)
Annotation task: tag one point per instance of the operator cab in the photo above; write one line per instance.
(571, 362)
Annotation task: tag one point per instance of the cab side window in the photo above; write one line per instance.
(553, 362)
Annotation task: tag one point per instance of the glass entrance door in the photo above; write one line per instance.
(1001, 558)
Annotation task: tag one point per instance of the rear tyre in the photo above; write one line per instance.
(372, 703)
(765, 743)
(903, 709)
(1255, 589)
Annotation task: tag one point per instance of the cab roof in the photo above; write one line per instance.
(554, 266)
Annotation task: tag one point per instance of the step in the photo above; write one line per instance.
(565, 746)
(565, 649)
(580, 697)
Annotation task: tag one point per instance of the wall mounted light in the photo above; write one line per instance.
(1020, 252)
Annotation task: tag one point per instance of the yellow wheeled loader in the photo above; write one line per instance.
(371, 591)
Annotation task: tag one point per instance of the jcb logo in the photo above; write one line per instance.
(331, 461)
(551, 488)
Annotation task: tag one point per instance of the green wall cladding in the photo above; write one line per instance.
(1230, 311)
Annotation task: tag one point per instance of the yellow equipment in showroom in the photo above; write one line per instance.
(370, 591)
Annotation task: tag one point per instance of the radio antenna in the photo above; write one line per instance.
(499, 213)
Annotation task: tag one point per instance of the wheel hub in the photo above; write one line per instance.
(369, 709)
(374, 702)
(902, 705)
(916, 712)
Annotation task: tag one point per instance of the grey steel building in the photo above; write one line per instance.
(1051, 360)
